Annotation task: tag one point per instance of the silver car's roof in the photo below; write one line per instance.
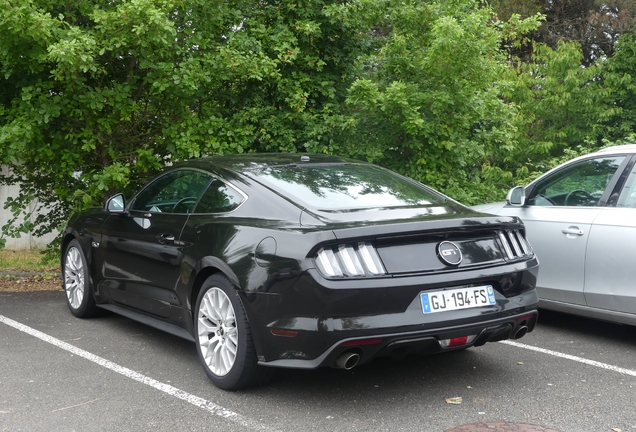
(627, 148)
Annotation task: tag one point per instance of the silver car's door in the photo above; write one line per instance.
(610, 264)
(558, 214)
(558, 236)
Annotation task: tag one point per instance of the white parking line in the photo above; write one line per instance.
(166, 388)
(573, 358)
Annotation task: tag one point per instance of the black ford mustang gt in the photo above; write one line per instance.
(300, 262)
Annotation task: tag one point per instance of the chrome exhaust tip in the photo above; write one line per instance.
(521, 332)
(347, 360)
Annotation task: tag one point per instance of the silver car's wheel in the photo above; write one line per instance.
(217, 331)
(224, 338)
(74, 277)
(77, 286)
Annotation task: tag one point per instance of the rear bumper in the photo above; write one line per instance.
(422, 342)
(305, 325)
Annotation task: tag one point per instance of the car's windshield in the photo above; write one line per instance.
(347, 186)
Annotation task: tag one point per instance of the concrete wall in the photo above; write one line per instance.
(26, 241)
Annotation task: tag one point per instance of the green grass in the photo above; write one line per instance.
(30, 260)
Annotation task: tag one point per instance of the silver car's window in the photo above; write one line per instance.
(627, 197)
(579, 184)
(175, 192)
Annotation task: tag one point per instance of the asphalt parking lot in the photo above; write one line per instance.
(59, 373)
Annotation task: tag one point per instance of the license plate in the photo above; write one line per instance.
(461, 298)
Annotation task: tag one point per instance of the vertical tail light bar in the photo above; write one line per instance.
(371, 259)
(506, 246)
(527, 249)
(360, 259)
(512, 235)
(327, 263)
(352, 264)
(515, 245)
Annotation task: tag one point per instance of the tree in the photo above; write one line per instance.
(429, 102)
(570, 80)
(96, 96)
(595, 25)
(567, 109)
(619, 75)
(562, 104)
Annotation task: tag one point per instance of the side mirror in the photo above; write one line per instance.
(516, 196)
(116, 204)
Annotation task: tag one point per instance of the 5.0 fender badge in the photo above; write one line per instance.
(449, 253)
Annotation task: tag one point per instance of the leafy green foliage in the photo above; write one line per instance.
(429, 104)
(95, 97)
(562, 104)
(567, 110)
(594, 25)
(619, 76)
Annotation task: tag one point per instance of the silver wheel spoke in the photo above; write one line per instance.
(217, 332)
(211, 347)
(211, 310)
(232, 336)
(225, 358)
(206, 327)
(232, 348)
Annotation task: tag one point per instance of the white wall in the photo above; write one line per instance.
(26, 241)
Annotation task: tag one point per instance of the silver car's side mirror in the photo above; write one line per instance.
(116, 204)
(516, 196)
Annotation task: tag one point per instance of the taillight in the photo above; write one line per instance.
(457, 341)
(358, 342)
(515, 245)
(359, 259)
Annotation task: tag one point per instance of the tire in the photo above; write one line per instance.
(77, 285)
(223, 337)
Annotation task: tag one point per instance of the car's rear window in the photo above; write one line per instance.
(347, 186)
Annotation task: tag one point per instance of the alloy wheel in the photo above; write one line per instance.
(74, 277)
(217, 331)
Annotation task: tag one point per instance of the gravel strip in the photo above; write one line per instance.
(16, 283)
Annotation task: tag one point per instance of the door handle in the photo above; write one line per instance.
(573, 231)
(165, 238)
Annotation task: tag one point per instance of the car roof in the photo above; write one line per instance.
(627, 148)
(257, 161)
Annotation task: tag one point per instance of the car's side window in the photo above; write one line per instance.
(579, 184)
(219, 198)
(627, 197)
(175, 192)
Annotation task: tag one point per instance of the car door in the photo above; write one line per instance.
(610, 270)
(559, 211)
(141, 248)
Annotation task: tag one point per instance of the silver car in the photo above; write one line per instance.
(580, 218)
